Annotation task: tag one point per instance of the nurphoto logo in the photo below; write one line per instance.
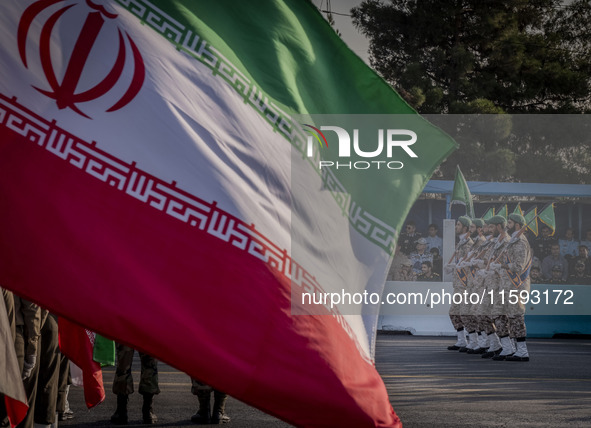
(390, 143)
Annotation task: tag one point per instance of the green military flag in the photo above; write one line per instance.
(461, 193)
(518, 209)
(547, 217)
(488, 214)
(531, 220)
(503, 211)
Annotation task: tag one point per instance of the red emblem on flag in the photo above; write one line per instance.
(67, 93)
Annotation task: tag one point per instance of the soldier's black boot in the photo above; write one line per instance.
(203, 415)
(148, 415)
(218, 415)
(120, 415)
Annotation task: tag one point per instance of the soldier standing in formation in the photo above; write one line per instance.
(493, 268)
(514, 269)
(490, 283)
(475, 265)
(123, 385)
(467, 309)
(206, 415)
(29, 319)
(459, 278)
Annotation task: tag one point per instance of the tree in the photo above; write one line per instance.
(490, 57)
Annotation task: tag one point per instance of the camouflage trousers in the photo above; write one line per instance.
(203, 391)
(517, 327)
(456, 321)
(470, 323)
(502, 325)
(486, 324)
(511, 326)
(123, 381)
(197, 387)
(48, 359)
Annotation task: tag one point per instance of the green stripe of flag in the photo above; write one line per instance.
(295, 64)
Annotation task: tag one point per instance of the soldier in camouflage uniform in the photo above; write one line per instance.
(499, 309)
(514, 268)
(8, 302)
(123, 384)
(490, 283)
(48, 360)
(203, 416)
(470, 318)
(459, 278)
(29, 319)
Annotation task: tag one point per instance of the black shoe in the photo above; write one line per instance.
(453, 348)
(463, 349)
(64, 416)
(490, 354)
(201, 419)
(203, 415)
(514, 358)
(220, 418)
(501, 357)
(476, 351)
(218, 414)
(120, 415)
(148, 415)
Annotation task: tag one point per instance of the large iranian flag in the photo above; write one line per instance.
(156, 187)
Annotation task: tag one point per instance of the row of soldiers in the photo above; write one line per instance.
(148, 387)
(43, 369)
(46, 377)
(492, 259)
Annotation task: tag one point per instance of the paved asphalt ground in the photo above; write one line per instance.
(428, 385)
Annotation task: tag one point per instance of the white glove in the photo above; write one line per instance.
(495, 266)
(461, 265)
(449, 268)
(29, 365)
(477, 262)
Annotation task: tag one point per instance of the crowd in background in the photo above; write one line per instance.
(556, 260)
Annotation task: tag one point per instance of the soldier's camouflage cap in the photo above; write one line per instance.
(478, 222)
(497, 219)
(517, 218)
(465, 220)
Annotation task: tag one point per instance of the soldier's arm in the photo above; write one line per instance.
(519, 257)
(32, 319)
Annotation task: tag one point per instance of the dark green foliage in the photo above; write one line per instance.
(491, 57)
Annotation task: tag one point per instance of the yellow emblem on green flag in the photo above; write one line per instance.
(531, 220)
(547, 217)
